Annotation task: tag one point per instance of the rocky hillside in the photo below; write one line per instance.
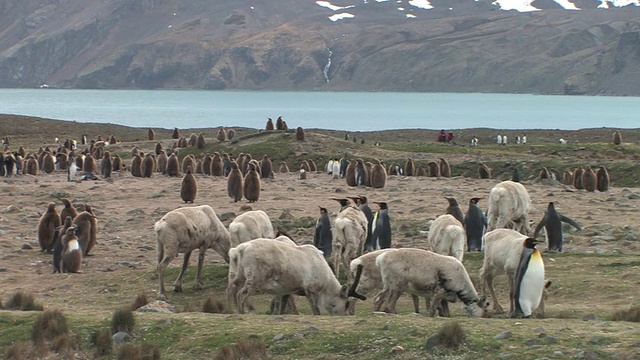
(458, 46)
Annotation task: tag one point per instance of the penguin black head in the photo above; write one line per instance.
(452, 201)
(343, 201)
(474, 200)
(356, 199)
(530, 243)
(551, 204)
(382, 204)
(363, 199)
(322, 210)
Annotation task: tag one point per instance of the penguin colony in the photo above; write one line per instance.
(72, 236)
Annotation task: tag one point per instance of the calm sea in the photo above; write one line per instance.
(351, 111)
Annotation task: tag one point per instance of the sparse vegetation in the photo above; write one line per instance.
(214, 307)
(630, 314)
(243, 349)
(123, 320)
(450, 336)
(50, 325)
(19, 351)
(102, 341)
(138, 352)
(140, 301)
(23, 301)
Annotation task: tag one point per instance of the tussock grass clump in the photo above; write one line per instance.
(212, 307)
(450, 336)
(23, 301)
(123, 320)
(49, 326)
(102, 341)
(244, 349)
(138, 352)
(630, 314)
(65, 346)
(140, 301)
(19, 351)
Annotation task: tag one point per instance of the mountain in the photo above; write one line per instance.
(514, 46)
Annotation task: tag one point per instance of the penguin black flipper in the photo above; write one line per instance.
(522, 268)
(541, 224)
(570, 221)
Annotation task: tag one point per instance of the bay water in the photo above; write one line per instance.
(350, 111)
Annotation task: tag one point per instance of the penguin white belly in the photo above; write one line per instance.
(532, 284)
(73, 245)
(336, 170)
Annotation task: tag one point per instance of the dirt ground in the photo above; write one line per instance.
(128, 207)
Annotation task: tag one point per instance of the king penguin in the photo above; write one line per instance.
(529, 281)
(381, 228)
(475, 224)
(361, 201)
(552, 222)
(322, 238)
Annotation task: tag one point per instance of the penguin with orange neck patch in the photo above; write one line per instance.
(529, 280)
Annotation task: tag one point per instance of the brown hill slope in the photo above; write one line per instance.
(287, 45)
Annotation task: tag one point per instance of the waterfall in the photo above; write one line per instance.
(326, 67)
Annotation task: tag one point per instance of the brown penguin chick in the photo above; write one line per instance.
(234, 183)
(136, 166)
(32, 166)
(300, 136)
(367, 180)
(409, 167)
(257, 165)
(312, 165)
(421, 171)
(199, 167)
(79, 162)
(193, 140)
(284, 125)
(116, 163)
(350, 173)
(240, 160)
(188, 161)
(284, 168)
(93, 233)
(434, 169)
(159, 148)
(252, 184)
(98, 153)
(279, 123)
(266, 167)
(106, 165)
(216, 164)
(603, 179)
(378, 175)
(61, 160)
(71, 261)
(230, 134)
(175, 134)
(151, 135)
(245, 164)
(89, 164)
(544, 173)
(454, 209)
(68, 209)
(183, 143)
(222, 135)
(58, 248)
(82, 223)
(162, 163)
(112, 140)
(135, 151)
(269, 125)
(617, 138)
(48, 163)
(589, 180)
(577, 178)
(48, 228)
(484, 172)
(148, 166)
(206, 164)
(200, 142)
(189, 187)
(173, 165)
(445, 168)
(304, 165)
(22, 151)
(567, 177)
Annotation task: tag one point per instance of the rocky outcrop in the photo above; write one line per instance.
(292, 45)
